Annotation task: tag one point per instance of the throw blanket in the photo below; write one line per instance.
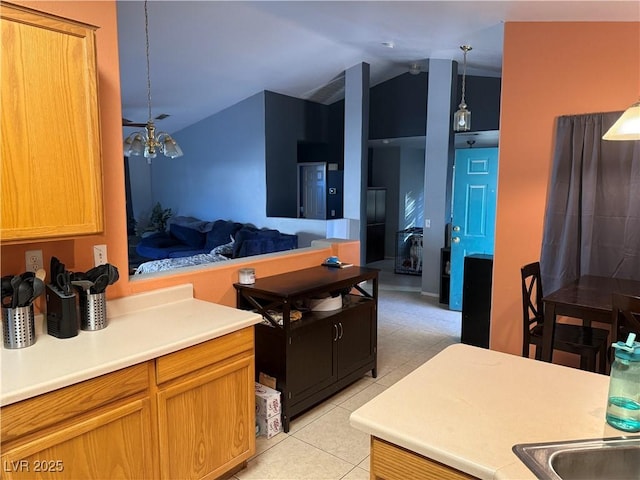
(216, 255)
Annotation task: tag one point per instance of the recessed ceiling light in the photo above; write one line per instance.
(388, 44)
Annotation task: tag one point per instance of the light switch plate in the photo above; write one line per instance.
(99, 255)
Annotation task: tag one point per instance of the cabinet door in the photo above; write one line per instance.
(51, 146)
(114, 444)
(207, 422)
(357, 338)
(311, 360)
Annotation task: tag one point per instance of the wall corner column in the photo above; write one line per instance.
(439, 156)
(356, 138)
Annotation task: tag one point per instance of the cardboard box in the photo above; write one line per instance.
(267, 401)
(269, 427)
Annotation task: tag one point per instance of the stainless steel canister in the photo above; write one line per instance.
(18, 326)
(93, 311)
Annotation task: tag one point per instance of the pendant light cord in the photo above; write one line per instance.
(146, 31)
(465, 49)
(464, 73)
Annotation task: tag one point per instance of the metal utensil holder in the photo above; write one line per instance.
(93, 311)
(18, 326)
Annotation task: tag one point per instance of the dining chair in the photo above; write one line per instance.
(577, 339)
(625, 317)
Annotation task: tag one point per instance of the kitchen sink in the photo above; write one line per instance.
(615, 458)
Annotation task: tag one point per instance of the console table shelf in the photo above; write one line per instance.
(323, 351)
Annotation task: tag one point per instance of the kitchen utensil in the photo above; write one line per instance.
(101, 283)
(113, 273)
(63, 280)
(7, 291)
(15, 284)
(25, 292)
(38, 289)
(85, 285)
(41, 274)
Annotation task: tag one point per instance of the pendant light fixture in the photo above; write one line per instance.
(627, 127)
(462, 118)
(146, 142)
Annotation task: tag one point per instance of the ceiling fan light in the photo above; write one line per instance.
(171, 148)
(148, 143)
(627, 127)
(134, 145)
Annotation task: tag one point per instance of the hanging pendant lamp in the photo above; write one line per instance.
(462, 118)
(627, 127)
(146, 142)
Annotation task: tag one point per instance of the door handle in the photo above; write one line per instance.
(341, 330)
(335, 338)
(455, 239)
(456, 228)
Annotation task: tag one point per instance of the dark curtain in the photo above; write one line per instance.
(592, 219)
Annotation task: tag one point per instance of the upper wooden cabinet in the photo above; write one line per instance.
(49, 130)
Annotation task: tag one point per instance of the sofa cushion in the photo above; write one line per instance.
(157, 245)
(255, 236)
(222, 231)
(188, 236)
(185, 251)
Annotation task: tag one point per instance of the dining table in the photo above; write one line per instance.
(588, 298)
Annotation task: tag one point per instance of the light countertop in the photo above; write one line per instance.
(468, 406)
(140, 327)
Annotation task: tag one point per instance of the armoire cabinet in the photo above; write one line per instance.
(51, 146)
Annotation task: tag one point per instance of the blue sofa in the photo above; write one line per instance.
(188, 236)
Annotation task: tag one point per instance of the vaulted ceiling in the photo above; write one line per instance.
(208, 55)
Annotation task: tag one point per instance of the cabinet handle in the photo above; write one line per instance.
(335, 338)
(341, 330)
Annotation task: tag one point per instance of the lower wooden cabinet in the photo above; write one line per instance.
(187, 415)
(207, 418)
(391, 462)
(113, 444)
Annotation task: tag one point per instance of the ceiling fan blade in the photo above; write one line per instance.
(128, 123)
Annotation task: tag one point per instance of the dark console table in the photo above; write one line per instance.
(323, 351)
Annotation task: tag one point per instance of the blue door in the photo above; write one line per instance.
(475, 179)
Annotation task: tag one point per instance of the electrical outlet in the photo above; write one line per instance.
(427, 223)
(33, 260)
(99, 255)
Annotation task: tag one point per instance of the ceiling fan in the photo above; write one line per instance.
(128, 123)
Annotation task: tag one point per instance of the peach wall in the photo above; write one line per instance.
(549, 69)
(77, 254)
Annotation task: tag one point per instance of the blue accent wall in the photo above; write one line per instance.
(222, 172)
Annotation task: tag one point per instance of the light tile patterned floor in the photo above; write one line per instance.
(321, 444)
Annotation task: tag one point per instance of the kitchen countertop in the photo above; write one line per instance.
(467, 406)
(140, 327)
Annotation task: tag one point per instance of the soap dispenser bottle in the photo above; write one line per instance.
(623, 405)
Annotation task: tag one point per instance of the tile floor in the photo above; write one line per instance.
(321, 444)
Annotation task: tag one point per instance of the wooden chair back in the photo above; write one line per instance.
(532, 305)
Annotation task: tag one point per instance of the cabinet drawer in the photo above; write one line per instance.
(199, 356)
(43, 411)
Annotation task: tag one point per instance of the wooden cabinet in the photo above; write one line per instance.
(51, 146)
(100, 428)
(186, 415)
(391, 462)
(324, 351)
(206, 407)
